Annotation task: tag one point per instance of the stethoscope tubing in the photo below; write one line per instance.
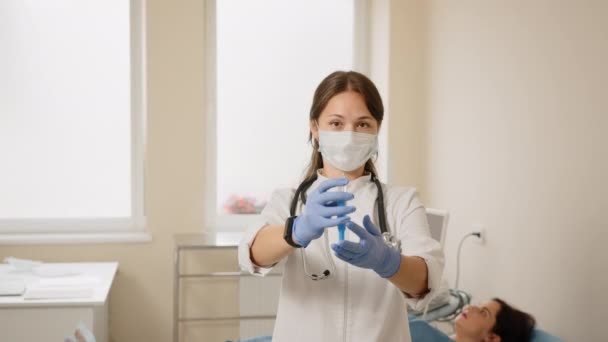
(391, 241)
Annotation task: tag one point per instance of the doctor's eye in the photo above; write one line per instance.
(335, 123)
(364, 125)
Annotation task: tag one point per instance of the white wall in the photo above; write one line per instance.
(516, 140)
(407, 99)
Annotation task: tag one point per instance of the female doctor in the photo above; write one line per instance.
(359, 291)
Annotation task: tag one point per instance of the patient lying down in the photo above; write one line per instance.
(493, 321)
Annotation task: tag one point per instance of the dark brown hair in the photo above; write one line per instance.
(334, 84)
(513, 325)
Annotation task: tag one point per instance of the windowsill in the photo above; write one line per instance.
(75, 238)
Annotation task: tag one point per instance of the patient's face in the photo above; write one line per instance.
(476, 322)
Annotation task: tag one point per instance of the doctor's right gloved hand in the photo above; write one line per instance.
(320, 208)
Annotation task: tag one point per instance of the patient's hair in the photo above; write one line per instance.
(513, 325)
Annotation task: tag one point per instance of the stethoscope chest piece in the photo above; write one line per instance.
(391, 241)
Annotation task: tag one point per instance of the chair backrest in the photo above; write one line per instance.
(438, 223)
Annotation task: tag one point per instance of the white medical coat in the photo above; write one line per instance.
(354, 304)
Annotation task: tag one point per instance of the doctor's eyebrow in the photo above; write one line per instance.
(362, 117)
(365, 117)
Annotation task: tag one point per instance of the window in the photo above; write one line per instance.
(71, 116)
(267, 57)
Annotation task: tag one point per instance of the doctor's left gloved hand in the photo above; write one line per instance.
(370, 252)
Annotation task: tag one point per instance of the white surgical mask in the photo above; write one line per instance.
(347, 150)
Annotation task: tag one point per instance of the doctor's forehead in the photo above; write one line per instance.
(346, 103)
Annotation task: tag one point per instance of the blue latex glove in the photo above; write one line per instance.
(370, 252)
(320, 207)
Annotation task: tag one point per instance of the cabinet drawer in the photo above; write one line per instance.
(256, 328)
(224, 330)
(209, 297)
(34, 324)
(217, 297)
(209, 260)
(209, 331)
(259, 295)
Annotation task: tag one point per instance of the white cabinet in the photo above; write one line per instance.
(28, 320)
(213, 300)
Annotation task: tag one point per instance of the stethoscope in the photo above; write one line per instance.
(389, 239)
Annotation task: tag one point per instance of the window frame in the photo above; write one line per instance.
(239, 222)
(93, 230)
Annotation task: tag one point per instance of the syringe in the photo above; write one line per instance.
(341, 227)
